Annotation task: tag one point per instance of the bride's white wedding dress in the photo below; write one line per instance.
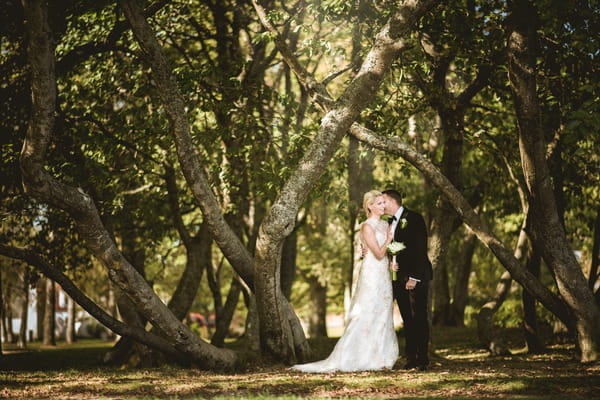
(369, 341)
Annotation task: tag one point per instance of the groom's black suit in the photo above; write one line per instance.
(413, 263)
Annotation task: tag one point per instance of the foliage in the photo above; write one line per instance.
(251, 121)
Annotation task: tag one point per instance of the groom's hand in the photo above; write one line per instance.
(363, 250)
(411, 284)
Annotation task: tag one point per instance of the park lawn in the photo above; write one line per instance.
(459, 370)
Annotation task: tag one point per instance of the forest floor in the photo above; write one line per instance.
(459, 370)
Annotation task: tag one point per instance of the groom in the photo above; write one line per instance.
(412, 283)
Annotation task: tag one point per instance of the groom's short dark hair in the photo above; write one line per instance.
(394, 194)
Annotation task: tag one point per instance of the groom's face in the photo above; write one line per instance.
(390, 205)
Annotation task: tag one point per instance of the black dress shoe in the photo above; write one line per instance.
(411, 365)
(422, 367)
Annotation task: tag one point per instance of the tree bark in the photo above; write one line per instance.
(40, 301)
(7, 326)
(530, 323)
(49, 338)
(224, 318)
(198, 249)
(317, 326)
(2, 315)
(595, 261)
(71, 313)
(41, 185)
(544, 224)
(288, 263)
(22, 339)
(460, 296)
(488, 335)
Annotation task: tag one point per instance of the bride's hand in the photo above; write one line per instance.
(390, 235)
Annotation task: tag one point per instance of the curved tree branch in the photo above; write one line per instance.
(50, 271)
(41, 185)
(395, 146)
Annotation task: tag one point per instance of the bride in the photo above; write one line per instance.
(369, 341)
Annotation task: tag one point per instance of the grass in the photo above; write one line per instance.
(460, 370)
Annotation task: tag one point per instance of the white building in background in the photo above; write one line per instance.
(85, 325)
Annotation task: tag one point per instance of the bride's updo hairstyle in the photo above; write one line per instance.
(369, 198)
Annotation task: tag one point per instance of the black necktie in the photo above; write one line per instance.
(392, 219)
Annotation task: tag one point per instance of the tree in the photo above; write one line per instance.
(545, 228)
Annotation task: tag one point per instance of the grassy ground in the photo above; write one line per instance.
(459, 370)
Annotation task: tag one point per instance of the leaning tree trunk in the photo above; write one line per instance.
(49, 338)
(544, 225)
(22, 339)
(123, 329)
(276, 333)
(468, 215)
(360, 164)
(41, 185)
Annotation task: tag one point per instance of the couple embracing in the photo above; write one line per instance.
(369, 341)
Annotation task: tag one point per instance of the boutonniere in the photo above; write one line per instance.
(403, 223)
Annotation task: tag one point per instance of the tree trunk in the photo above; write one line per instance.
(530, 323)
(7, 325)
(223, 319)
(317, 325)
(71, 314)
(49, 338)
(442, 227)
(360, 181)
(40, 306)
(276, 333)
(88, 305)
(544, 224)
(468, 215)
(22, 339)
(288, 263)
(595, 261)
(41, 185)
(451, 110)
(112, 309)
(2, 315)
(488, 335)
(460, 298)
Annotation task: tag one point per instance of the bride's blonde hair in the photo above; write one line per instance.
(369, 198)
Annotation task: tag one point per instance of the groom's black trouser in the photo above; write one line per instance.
(413, 309)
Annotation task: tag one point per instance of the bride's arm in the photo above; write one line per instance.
(368, 236)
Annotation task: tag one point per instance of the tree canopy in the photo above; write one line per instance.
(147, 145)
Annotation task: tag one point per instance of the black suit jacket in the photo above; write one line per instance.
(413, 261)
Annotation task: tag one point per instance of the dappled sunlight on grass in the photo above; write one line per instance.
(459, 370)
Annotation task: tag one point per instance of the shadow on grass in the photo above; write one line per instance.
(459, 370)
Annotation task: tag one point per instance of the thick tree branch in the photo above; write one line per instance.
(41, 185)
(140, 335)
(189, 158)
(469, 216)
(276, 334)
